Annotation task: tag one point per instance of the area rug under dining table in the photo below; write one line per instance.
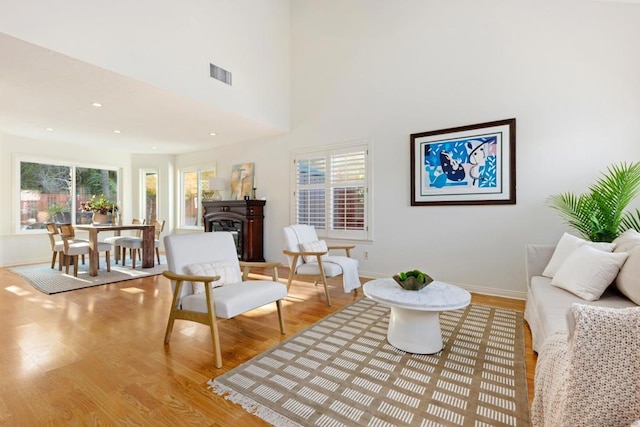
(342, 372)
(51, 281)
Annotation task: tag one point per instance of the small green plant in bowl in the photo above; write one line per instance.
(412, 280)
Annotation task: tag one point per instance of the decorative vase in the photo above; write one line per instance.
(412, 283)
(102, 219)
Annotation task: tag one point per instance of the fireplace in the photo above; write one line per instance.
(243, 219)
(231, 225)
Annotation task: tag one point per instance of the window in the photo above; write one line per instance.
(149, 199)
(53, 192)
(194, 184)
(331, 191)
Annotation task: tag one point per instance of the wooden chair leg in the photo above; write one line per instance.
(108, 261)
(66, 262)
(280, 316)
(324, 281)
(133, 257)
(53, 259)
(292, 270)
(124, 256)
(75, 266)
(158, 255)
(213, 325)
(61, 261)
(174, 308)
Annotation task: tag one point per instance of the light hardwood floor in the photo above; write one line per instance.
(96, 356)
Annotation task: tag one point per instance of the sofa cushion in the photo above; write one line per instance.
(628, 280)
(587, 272)
(567, 244)
(228, 272)
(547, 306)
(627, 241)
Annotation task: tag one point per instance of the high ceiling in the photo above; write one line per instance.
(41, 89)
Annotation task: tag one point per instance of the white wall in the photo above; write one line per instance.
(378, 70)
(33, 246)
(170, 44)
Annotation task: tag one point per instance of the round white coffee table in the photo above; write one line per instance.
(414, 322)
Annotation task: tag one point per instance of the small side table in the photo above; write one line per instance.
(414, 322)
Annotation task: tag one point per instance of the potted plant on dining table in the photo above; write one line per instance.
(104, 211)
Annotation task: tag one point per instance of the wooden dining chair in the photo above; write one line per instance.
(57, 245)
(134, 244)
(115, 240)
(74, 248)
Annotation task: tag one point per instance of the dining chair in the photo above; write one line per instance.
(57, 244)
(73, 248)
(207, 283)
(115, 240)
(134, 244)
(309, 258)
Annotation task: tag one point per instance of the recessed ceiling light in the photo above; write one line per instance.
(154, 148)
(116, 131)
(97, 104)
(50, 129)
(213, 134)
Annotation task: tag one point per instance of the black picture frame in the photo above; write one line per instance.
(466, 165)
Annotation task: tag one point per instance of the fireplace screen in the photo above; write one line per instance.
(232, 226)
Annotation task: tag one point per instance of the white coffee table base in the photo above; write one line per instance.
(414, 319)
(415, 331)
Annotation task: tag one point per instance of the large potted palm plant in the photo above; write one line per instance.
(599, 215)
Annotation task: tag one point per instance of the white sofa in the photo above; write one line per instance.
(546, 307)
(588, 368)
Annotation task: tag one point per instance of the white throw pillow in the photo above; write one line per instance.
(317, 246)
(588, 271)
(228, 271)
(628, 280)
(627, 241)
(567, 244)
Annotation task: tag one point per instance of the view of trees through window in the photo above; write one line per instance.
(46, 192)
(195, 185)
(150, 200)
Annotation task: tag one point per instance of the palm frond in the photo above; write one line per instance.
(599, 215)
(629, 221)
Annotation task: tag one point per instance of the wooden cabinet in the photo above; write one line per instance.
(244, 219)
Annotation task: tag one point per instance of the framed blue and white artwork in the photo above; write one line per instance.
(467, 165)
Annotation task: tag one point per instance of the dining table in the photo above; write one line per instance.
(148, 242)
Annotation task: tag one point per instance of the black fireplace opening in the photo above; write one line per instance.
(232, 226)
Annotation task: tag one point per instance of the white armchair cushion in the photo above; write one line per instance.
(237, 298)
(316, 246)
(567, 244)
(588, 271)
(227, 271)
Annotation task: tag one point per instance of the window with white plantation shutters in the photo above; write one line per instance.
(331, 191)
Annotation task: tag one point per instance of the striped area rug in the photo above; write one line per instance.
(51, 281)
(342, 372)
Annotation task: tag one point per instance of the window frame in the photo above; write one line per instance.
(18, 160)
(364, 235)
(143, 192)
(200, 188)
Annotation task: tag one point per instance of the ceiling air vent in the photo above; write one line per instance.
(221, 74)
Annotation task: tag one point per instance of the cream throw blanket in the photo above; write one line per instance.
(591, 376)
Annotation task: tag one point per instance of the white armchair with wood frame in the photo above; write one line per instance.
(207, 283)
(309, 259)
